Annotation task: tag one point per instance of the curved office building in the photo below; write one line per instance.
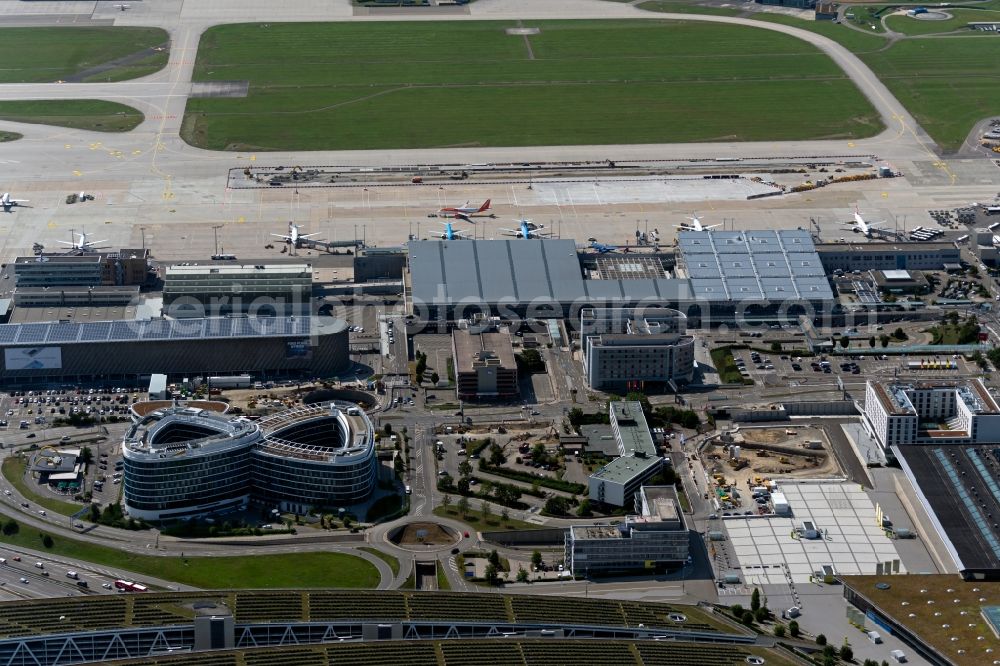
(186, 461)
(316, 456)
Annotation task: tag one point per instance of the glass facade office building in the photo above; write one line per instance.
(182, 462)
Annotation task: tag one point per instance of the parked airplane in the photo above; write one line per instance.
(82, 244)
(9, 203)
(604, 249)
(526, 230)
(859, 226)
(696, 225)
(293, 236)
(450, 233)
(464, 212)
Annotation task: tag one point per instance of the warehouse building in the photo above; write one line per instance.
(655, 538)
(642, 349)
(185, 461)
(902, 413)
(126, 267)
(485, 367)
(638, 460)
(863, 257)
(265, 347)
(259, 290)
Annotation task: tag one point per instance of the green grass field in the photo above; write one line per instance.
(680, 7)
(406, 85)
(959, 18)
(87, 114)
(308, 569)
(33, 55)
(10, 136)
(947, 83)
(856, 41)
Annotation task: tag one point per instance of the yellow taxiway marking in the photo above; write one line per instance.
(77, 173)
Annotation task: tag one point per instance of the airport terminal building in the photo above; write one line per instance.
(187, 461)
(133, 350)
(718, 277)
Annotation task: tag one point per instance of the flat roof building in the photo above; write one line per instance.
(654, 538)
(485, 367)
(887, 256)
(638, 459)
(133, 350)
(635, 348)
(126, 267)
(260, 289)
(901, 413)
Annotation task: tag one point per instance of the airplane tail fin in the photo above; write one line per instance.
(485, 206)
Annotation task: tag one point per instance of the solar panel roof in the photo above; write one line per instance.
(157, 329)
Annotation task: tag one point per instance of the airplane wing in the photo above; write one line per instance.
(308, 235)
(67, 243)
(97, 242)
(282, 236)
(711, 226)
(511, 232)
(460, 234)
(463, 216)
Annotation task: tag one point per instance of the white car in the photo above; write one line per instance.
(106, 586)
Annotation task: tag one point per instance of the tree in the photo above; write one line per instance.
(900, 334)
(446, 501)
(829, 651)
(871, 342)
(505, 516)
(820, 639)
(779, 630)
(491, 574)
(755, 600)
(485, 488)
(487, 512)
(86, 455)
(584, 509)
(556, 506)
(465, 469)
(463, 506)
(747, 618)
(846, 653)
(762, 614)
(463, 485)
(538, 453)
(536, 558)
(495, 558)
(884, 340)
(793, 629)
(387, 429)
(522, 575)
(776, 347)
(47, 541)
(870, 662)
(737, 610)
(497, 458)
(10, 528)
(435, 378)
(845, 341)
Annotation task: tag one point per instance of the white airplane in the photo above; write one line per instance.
(450, 233)
(83, 244)
(464, 212)
(9, 203)
(859, 226)
(293, 237)
(696, 225)
(526, 230)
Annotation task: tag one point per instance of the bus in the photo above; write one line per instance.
(129, 586)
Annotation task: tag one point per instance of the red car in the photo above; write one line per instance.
(466, 535)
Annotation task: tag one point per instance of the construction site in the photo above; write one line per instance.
(747, 464)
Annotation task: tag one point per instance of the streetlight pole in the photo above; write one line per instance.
(215, 232)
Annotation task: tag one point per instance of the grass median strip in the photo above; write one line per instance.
(85, 114)
(47, 54)
(14, 469)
